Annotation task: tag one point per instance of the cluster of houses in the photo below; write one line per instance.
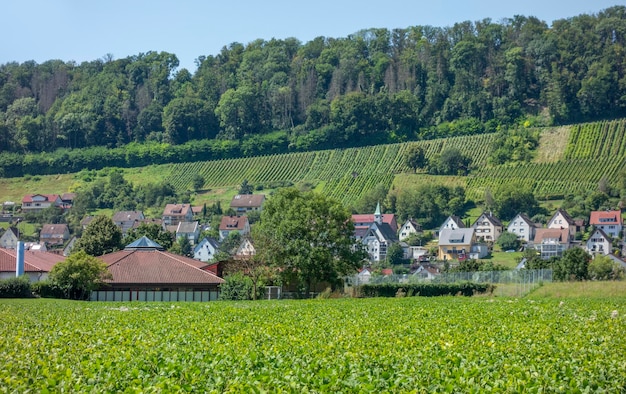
(143, 270)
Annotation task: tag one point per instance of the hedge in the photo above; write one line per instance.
(425, 289)
(15, 288)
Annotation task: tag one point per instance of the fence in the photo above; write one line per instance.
(146, 295)
(514, 283)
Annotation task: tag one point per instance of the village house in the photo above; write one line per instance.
(487, 227)
(363, 221)
(610, 222)
(39, 202)
(246, 248)
(144, 271)
(206, 249)
(231, 224)
(54, 234)
(452, 223)
(562, 220)
(379, 236)
(408, 228)
(244, 203)
(126, 220)
(455, 244)
(189, 230)
(523, 227)
(176, 213)
(37, 264)
(9, 238)
(598, 243)
(551, 242)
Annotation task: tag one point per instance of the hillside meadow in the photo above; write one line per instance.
(569, 160)
(420, 345)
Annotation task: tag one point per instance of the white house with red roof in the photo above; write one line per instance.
(551, 242)
(37, 264)
(244, 203)
(39, 202)
(54, 234)
(608, 221)
(363, 222)
(176, 213)
(231, 224)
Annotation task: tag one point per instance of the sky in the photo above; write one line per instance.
(79, 30)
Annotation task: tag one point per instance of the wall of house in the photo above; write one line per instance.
(159, 296)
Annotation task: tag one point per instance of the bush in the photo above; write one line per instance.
(425, 289)
(47, 289)
(236, 288)
(15, 288)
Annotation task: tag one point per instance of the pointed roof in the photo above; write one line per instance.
(377, 211)
(523, 217)
(602, 234)
(143, 243)
(489, 217)
(565, 215)
(156, 268)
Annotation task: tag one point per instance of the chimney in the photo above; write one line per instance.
(19, 261)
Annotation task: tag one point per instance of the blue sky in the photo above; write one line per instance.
(82, 30)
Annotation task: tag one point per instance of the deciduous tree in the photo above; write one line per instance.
(308, 236)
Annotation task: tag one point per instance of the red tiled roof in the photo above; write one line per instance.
(608, 218)
(49, 197)
(388, 218)
(176, 209)
(33, 261)
(156, 267)
(233, 222)
(247, 200)
(543, 233)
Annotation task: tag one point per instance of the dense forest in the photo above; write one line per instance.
(371, 87)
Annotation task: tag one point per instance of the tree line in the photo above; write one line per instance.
(374, 86)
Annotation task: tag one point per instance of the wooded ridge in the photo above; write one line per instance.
(374, 86)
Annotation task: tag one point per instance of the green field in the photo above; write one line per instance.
(424, 345)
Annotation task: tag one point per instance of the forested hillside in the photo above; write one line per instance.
(375, 86)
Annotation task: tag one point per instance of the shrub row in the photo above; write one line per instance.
(425, 289)
(15, 288)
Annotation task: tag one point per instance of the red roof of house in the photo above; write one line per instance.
(156, 267)
(33, 261)
(545, 233)
(388, 218)
(233, 222)
(605, 218)
(247, 200)
(386, 271)
(176, 209)
(49, 197)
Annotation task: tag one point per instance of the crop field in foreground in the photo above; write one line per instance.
(448, 344)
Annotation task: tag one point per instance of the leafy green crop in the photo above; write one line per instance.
(416, 344)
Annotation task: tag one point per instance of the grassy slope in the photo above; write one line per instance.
(560, 166)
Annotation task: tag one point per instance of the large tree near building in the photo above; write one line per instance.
(79, 275)
(100, 237)
(308, 236)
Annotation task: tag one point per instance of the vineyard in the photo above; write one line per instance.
(346, 174)
(378, 345)
(599, 139)
(547, 180)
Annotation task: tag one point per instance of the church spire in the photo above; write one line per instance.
(378, 218)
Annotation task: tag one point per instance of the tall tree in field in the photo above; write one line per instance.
(100, 237)
(308, 236)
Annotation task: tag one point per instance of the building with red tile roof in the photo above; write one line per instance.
(231, 224)
(144, 265)
(39, 202)
(608, 221)
(37, 265)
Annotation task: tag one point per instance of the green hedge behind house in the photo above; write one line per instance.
(15, 288)
(424, 289)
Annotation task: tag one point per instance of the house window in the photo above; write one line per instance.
(521, 230)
